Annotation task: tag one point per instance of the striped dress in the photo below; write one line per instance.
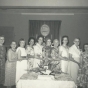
(10, 68)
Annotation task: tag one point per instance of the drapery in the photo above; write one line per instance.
(35, 26)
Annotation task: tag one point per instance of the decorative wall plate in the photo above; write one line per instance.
(45, 30)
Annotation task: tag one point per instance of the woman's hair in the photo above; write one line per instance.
(20, 41)
(65, 36)
(77, 38)
(47, 40)
(84, 45)
(31, 39)
(3, 37)
(55, 40)
(40, 36)
(10, 45)
(13, 41)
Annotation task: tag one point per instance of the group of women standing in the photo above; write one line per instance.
(25, 57)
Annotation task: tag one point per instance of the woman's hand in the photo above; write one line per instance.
(65, 58)
(19, 60)
(30, 56)
(38, 56)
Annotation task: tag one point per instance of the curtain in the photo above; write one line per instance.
(35, 26)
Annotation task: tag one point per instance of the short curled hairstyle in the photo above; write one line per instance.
(47, 40)
(12, 42)
(84, 46)
(40, 36)
(31, 38)
(77, 38)
(20, 41)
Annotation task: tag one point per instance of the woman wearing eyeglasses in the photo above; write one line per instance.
(55, 63)
(10, 66)
(75, 56)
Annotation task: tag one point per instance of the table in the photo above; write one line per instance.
(22, 83)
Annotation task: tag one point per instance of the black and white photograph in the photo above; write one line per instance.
(43, 43)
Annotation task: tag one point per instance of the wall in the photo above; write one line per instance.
(55, 3)
(72, 25)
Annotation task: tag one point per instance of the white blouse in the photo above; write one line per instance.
(75, 52)
(64, 51)
(23, 51)
(38, 49)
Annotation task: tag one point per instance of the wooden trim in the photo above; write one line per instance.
(43, 7)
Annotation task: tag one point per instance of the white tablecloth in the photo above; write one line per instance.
(22, 83)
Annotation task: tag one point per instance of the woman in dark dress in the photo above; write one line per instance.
(47, 48)
(55, 63)
(2, 60)
(47, 51)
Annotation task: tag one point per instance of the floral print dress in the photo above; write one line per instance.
(83, 72)
(55, 63)
(30, 52)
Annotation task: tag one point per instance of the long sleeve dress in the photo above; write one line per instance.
(2, 64)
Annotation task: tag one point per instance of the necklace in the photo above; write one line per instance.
(13, 50)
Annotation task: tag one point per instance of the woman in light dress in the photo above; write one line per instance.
(30, 53)
(75, 56)
(64, 52)
(10, 66)
(21, 67)
(38, 51)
